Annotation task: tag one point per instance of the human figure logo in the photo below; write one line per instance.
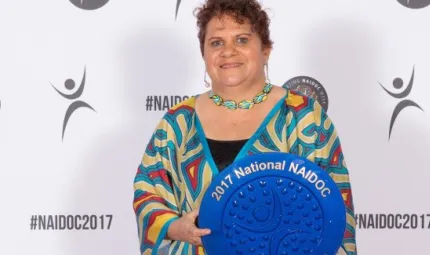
(89, 5)
(398, 84)
(178, 3)
(70, 85)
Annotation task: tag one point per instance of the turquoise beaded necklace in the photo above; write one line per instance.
(244, 104)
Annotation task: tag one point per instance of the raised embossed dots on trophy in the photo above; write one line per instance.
(273, 203)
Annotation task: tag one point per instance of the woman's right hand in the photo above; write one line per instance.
(184, 229)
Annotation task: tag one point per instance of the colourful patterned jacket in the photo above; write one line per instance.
(177, 166)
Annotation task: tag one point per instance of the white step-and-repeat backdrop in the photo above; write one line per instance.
(84, 82)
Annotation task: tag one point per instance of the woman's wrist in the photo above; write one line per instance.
(170, 234)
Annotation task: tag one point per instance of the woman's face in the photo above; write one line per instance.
(233, 53)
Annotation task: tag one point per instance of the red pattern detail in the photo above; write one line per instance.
(193, 166)
(322, 137)
(336, 155)
(150, 145)
(151, 221)
(196, 250)
(293, 92)
(348, 234)
(182, 107)
(348, 201)
(144, 198)
(162, 173)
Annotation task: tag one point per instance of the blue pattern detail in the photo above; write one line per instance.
(161, 134)
(192, 144)
(267, 141)
(173, 122)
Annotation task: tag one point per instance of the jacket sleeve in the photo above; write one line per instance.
(154, 201)
(330, 157)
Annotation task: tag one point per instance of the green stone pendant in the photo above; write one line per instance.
(244, 104)
(230, 104)
(260, 97)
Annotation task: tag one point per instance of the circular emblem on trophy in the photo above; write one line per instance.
(89, 5)
(310, 87)
(273, 203)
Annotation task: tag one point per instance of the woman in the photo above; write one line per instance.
(242, 114)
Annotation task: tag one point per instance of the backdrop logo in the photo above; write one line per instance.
(398, 84)
(414, 4)
(309, 87)
(70, 85)
(178, 3)
(89, 4)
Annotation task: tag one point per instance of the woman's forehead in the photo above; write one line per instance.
(226, 22)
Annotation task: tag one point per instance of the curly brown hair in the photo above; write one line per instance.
(240, 10)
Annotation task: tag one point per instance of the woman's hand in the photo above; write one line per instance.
(184, 229)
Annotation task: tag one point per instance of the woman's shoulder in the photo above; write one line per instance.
(183, 107)
(176, 121)
(179, 112)
(179, 115)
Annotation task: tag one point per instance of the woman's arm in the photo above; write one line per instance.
(330, 157)
(154, 203)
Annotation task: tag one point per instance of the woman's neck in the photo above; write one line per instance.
(239, 92)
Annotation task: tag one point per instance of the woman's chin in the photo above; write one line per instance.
(231, 82)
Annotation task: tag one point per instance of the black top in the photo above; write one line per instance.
(224, 152)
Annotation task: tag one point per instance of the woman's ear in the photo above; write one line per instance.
(266, 54)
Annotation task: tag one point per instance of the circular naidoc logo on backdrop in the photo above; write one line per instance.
(310, 87)
(89, 5)
(414, 4)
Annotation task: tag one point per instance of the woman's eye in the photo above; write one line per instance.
(216, 43)
(242, 40)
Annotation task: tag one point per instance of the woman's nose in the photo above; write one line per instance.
(228, 50)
